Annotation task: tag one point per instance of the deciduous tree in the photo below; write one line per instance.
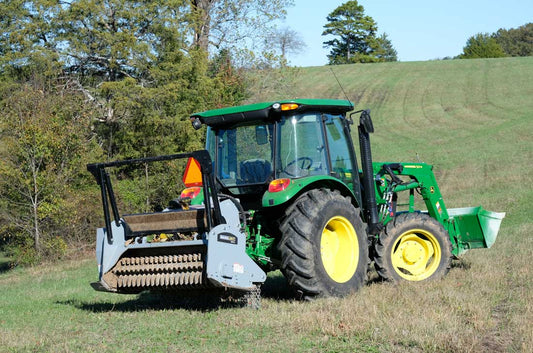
(46, 142)
(234, 23)
(287, 41)
(516, 41)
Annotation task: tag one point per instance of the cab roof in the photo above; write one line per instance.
(270, 110)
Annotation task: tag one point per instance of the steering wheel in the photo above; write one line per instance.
(293, 169)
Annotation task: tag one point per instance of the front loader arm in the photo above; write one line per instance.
(397, 177)
(468, 228)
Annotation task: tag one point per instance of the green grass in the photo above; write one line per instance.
(472, 119)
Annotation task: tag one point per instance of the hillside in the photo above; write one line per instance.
(472, 119)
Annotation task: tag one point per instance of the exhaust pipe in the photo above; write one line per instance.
(369, 194)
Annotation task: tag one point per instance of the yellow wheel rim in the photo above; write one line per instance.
(416, 255)
(339, 249)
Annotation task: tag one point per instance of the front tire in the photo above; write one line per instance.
(413, 247)
(324, 246)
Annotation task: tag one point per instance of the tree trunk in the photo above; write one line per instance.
(146, 187)
(36, 230)
(35, 207)
(202, 22)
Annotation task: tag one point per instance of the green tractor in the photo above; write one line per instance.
(279, 187)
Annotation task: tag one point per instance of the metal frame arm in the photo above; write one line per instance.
(98, 170)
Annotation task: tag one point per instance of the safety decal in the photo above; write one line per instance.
(238, 268)
(227, 238)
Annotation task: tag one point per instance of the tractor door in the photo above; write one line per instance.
(243, 160)
(301, 149)
(340, 151)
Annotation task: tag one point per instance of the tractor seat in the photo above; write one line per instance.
(255, 171)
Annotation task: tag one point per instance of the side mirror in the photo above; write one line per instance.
(365, 121)
(261, 135)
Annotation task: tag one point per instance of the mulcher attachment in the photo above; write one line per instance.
(153, 272)
(176, 249)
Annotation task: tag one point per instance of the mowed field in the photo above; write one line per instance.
(471, 119)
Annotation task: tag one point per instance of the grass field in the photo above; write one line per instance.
(472, 119)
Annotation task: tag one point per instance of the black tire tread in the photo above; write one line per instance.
(296, 245)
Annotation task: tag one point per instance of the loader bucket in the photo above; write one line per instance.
(475, 226)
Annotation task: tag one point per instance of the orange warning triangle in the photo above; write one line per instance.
(193, 174)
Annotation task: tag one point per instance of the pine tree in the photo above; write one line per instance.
(482, 45)
(355, 37)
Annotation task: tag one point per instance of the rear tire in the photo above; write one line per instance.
(413, 247)
(324, 248)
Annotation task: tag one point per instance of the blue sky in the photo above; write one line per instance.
(419, 30)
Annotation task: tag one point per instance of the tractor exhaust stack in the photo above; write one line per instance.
(369, 195)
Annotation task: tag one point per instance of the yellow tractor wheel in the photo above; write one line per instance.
(324, 246)
(413, 247)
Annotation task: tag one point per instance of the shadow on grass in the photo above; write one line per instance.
(5, 265)
(275, 288)
(150, 301)
(461, 263)
(456, 264)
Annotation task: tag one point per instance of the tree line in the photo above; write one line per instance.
(502, 43)
(98, 80)
(95, 80)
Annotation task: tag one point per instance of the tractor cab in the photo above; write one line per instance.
(254, 151)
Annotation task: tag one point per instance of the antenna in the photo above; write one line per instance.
(338, 82)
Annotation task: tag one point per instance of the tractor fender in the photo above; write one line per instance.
(301, 185)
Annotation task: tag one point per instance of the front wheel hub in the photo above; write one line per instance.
(411, 252)
(416, 255)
